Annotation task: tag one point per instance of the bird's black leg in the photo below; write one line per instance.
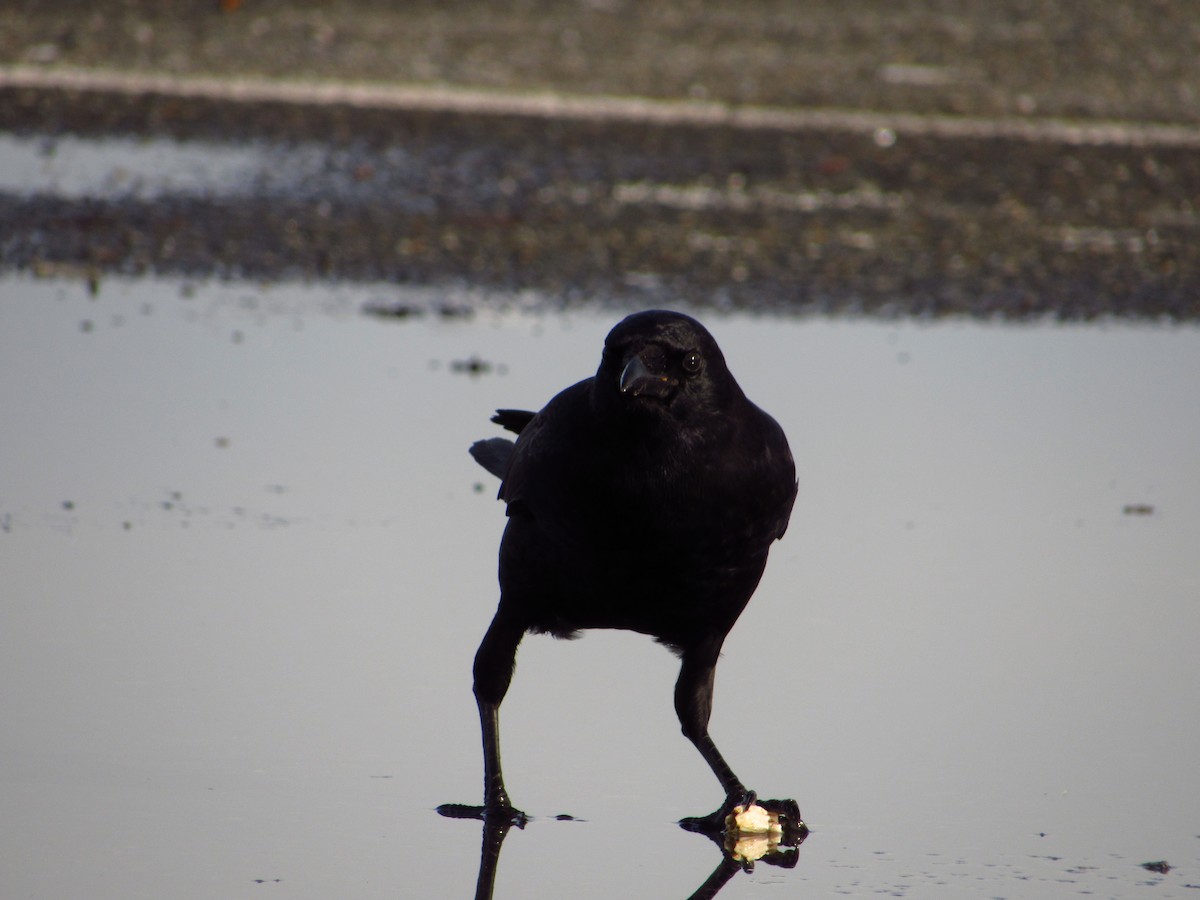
(493, 672)
(494, 794)
(693, 704)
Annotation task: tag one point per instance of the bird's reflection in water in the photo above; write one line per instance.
(740, 851)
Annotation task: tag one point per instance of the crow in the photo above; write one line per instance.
(644, 498)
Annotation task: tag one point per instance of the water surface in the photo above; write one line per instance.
(247, 561)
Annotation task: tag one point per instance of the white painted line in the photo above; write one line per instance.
(884, 127)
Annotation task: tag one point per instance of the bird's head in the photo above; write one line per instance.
(659, 361)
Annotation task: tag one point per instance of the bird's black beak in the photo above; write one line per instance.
(637, 380)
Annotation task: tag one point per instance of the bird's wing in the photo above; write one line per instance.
(542, 464)
(783, 468)
(776, 480)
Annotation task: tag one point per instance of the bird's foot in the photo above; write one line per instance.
(791, 823)
(746, 813)
(749, 830)
(715, 822)
(496, 814)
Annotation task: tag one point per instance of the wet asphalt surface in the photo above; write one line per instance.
(804, 219)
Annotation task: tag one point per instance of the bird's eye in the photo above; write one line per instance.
(691, 362)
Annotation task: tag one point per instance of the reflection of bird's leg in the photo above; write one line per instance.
(721, 875)
(693, 704)
(493, 672)
(489, 857)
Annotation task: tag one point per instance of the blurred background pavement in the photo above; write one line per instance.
(1006, 158)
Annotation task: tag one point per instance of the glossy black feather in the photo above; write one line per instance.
(513, 420)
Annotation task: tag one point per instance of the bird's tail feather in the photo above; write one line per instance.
(493, 454)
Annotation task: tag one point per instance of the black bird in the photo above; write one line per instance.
(644, 498)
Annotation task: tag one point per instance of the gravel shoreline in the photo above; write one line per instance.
(806, 211)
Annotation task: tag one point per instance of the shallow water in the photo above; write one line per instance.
(134, 168)
(247, 561)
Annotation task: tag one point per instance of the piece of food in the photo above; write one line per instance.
(753, 820)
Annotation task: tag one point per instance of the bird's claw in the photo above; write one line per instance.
(790, 820)
(499, 815)
(715, 822)
(718, 822)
